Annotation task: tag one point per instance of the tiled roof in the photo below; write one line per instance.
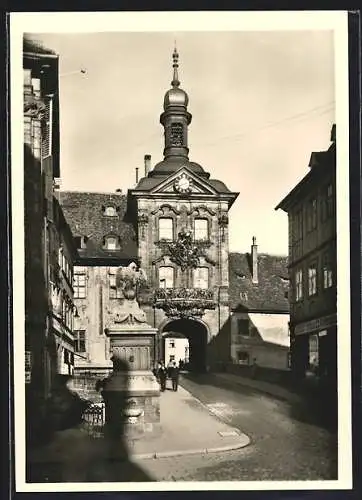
(269, 294)
(84, 214)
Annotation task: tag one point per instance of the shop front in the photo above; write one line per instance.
(314, 351)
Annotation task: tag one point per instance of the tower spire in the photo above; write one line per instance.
(175, 82)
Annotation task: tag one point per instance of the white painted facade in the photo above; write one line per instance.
(176, 349)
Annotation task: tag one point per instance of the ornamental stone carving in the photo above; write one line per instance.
(129, 280)
(183, 252)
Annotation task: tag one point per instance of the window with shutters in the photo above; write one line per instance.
(201, 229)
(47, 128)
(165, 277)
(201, 277)
(165, 228)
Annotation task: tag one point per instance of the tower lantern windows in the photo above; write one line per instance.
(177, 136)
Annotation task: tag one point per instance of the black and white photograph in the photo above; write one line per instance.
(180, 232)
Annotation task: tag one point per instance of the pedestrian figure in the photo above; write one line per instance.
(162, 375)
(169, 367)
(254, 368)
(174, 376)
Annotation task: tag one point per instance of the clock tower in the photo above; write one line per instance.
(175, 118)
(181, 222)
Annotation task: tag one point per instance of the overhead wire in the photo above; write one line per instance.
(299, 117)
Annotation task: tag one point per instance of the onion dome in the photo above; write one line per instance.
(175, 96)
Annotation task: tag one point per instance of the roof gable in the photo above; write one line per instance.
(270, 294)
(197, 184)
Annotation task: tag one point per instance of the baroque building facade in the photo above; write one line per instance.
(48, 241)
(174, 225)
(311, 209)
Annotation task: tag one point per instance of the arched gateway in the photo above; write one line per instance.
(197, 334)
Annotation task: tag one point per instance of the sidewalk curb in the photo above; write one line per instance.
(196, 451)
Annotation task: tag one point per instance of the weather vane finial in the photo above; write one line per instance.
(175, 82)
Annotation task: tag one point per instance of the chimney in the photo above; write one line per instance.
(333, 133)
(147, 164)
(254, 260)
(137, 175)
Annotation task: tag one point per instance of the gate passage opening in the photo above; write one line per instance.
(190, 337)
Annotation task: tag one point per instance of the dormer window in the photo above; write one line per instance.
(111, 242)
(109, 211)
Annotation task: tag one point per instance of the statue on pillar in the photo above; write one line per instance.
(129, 280)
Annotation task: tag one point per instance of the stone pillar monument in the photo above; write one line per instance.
(132, 390)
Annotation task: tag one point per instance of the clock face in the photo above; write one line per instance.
(183, 184)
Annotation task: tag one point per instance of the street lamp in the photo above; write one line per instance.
(82, 71)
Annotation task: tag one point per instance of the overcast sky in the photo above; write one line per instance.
(261, 103)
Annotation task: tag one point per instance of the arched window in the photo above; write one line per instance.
(165, 228)
(111, 242)
(110, 211)
(166, 277)
(201, 277)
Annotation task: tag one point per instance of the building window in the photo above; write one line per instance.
(299, 285)
(165, 277)
(312, 214)
(172, 344)
(298, 226)
(312, 279)
(243, 358)
(165, 228)
(313, 353)
(110, 211)
(79, 284)
(111, 242)
(79, 341)
(327, 273)
(66, 356)
(243, 327)
(201, 277)
(329, 201)
(201, 229)
(114, 292)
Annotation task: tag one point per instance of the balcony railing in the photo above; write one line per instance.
(184, 302)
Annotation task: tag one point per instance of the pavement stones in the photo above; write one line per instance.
(188, 428)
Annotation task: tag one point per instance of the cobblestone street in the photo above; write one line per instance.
(286, 444)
